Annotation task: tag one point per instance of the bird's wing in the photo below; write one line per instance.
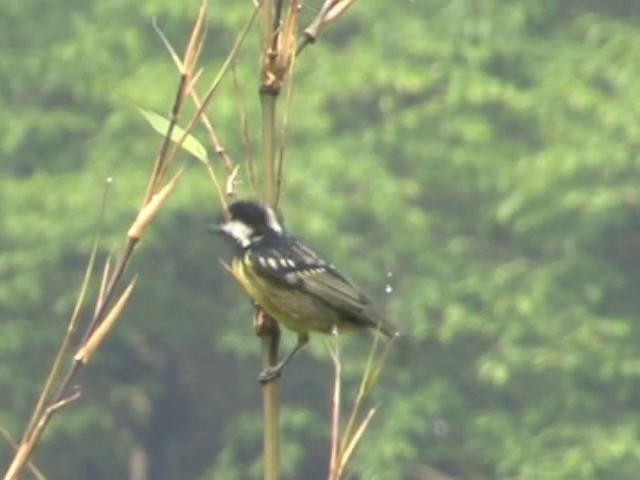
(300, 268)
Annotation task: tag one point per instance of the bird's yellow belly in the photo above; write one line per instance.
(295, 310)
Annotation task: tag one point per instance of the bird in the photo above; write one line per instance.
(290, 282)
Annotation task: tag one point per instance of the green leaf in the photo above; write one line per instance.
(161, 125)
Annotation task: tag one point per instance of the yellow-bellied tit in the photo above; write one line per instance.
(292, 284)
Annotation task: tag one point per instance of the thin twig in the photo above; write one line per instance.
(73, 322)
(213, 137)
(30, 465)
(335, 411)
(49, 404)
(347, 452)
(190, 58)
(26, 447)
(284, 131)
(244, 128)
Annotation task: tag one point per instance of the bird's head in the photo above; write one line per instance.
(249, 222)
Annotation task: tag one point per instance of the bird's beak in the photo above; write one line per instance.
(216, 229)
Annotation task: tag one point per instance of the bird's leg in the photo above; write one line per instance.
(274, 372)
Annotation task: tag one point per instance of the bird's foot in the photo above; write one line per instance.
(269, 374)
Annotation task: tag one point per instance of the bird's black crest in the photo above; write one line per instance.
(251, 213)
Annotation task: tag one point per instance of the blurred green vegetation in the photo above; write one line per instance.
(481, 157)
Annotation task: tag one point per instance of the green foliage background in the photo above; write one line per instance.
(485, 153)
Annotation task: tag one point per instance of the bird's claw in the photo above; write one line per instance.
(269, 374)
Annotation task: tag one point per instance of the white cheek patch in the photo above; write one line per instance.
(272, 221)
(239, 231)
